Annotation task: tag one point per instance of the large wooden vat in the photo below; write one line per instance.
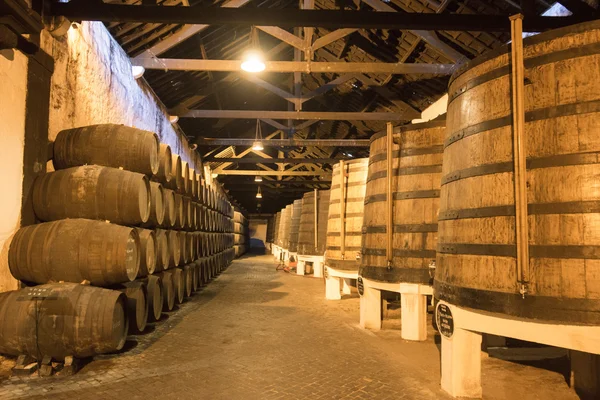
(276, 228)
(110, 145)
(74, 320)
(295, 225)
(345, 218)
(476, 262)
(92, 192)
(286, 223)
(74, 250)
(306, 236)
(415, 188)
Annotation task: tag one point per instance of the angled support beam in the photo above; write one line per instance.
(284, 36)
(332, 37)
(243, 153)
(328, 86)
(297, 115)
(250, 160)
(183, 34)
(271, 88)
(283, 142)
(179, 64)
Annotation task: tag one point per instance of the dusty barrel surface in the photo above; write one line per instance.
(347, 197)
(306, 235)
(164, 173)
(147, 252)
(286, 226)
(295, 225)
(155, 297)
(93, 192)
(64, 322)
(74, 250)
(157, 206)
(110, 145)
(136, 305)
(476, 261)
(416, 173)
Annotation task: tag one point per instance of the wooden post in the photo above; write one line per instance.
(390, 195)
(342, 208)
(518, 112)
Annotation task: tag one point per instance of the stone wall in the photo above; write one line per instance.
(93, 84)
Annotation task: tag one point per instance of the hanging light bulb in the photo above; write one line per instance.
(137, 71)
(257, 145)
(258, 178)
(253, 60)
(259, 194)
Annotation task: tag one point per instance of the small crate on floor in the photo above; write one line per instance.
(317, 265)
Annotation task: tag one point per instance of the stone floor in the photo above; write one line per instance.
(254, 333)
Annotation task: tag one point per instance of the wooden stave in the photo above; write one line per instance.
(54, 241)
(355, 194)
(109, 145)
(86, 303)
(554, 294)
(306, 237)
(416, 203)
(74, 193)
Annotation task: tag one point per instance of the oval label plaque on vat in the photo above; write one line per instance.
(360, 286)
(444, 320)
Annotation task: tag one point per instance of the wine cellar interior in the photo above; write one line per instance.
(305, 199)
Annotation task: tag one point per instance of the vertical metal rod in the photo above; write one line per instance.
(316, 220)
(519, 138)
(389, 196)
(342, 207)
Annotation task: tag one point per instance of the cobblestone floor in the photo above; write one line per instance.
(254, 333)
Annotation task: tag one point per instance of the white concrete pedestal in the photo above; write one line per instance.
(317, 265)
(413, 300)
(461, 352)
(337, 282)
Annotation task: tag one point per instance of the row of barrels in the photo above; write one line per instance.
(77, 250)
(138, 151)
(86, 312)
(240, 232)
(122, 197)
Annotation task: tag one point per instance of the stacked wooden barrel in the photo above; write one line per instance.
(345, 220)
(477, 264)
(119, 212)
(240, 232)
(311, 222)
(414, 193)
(295, 225)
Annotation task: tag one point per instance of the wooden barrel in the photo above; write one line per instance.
(476, 261)
(74, 250)
(283, 226)
(75, 320)
(165, 164)
(188, 280)
(155, 297)
(184, 247)
(168, 290)
(157, 206)
(162, 250)
(147, 252)
(195, 276)
(170, 217)
(174, 248)
(416, 173)
(185, 172)
(187, 212)
(110, 145)
(295, 225)
(136, 305)
(276, 228)
(306, 236)
(176, 182)
(92, 192)
(351, 182)
(178, 285)
(193, 193)
(179, 212)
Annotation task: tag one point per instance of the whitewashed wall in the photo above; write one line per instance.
(93, 84)
(13, 85)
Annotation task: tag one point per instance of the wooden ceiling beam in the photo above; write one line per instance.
(282, 142)
(182, 64)
(295, 115)
(250, 160)
(272, 173)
